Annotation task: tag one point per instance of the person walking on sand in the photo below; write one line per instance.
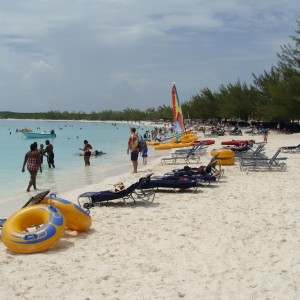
(265, 136)
(50, 154)
(32, 159)
(87, 152)
(133, 148)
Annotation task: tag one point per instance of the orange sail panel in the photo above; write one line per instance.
(177, 112)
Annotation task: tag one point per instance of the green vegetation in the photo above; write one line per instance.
(163, 112)
(274, 96)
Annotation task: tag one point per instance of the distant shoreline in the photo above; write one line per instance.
(146, 123)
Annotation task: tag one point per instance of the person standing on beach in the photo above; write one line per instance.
(133, 148)
(87, 152)
(50, 154)
(32, 159)
(265, 136)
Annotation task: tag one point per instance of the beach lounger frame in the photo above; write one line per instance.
(252, 154)
(197, 149)
(270, 164)
(34, 200)
(186, 156)
(189, 158)
(134, 192)
(291, 149)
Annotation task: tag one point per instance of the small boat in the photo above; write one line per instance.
(39, 135)
(24, 130)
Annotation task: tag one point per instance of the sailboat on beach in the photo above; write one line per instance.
(181, 138)
(178, 124)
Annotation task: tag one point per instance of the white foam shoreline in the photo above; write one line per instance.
(237, 239)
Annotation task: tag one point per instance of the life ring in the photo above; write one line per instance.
(222, 153)
(76, 218)
(226, 161)
(15, 234)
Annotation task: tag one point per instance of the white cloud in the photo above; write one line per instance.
(36, 69)
(86, 55)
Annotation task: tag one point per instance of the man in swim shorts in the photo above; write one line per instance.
(50, 154)
(32, 159)
(133, 148)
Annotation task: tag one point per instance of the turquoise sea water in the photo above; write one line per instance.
(70, 172)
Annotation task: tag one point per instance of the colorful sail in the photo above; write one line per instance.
(178, 125)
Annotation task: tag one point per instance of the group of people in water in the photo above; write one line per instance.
(34, 159)
(35, 156)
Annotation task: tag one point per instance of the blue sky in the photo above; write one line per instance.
(95, 55)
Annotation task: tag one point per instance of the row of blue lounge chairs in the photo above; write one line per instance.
(144, 189)
(251, 159)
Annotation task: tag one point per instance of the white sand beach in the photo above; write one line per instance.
(238, 238)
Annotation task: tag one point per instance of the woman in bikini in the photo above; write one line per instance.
(32, 159)
(87, 152)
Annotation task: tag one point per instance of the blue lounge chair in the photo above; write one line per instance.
(291, 149)
(201, 178)
(134, 192)
(180, 183)
(209, 170)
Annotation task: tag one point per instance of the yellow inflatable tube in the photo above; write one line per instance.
(226, 161)
(222, 153)
(33, 229)
(76, 218)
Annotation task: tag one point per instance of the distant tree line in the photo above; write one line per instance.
(153, 114)
(273, 96)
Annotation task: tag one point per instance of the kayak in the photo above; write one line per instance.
(172, 146)
(237, 142)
